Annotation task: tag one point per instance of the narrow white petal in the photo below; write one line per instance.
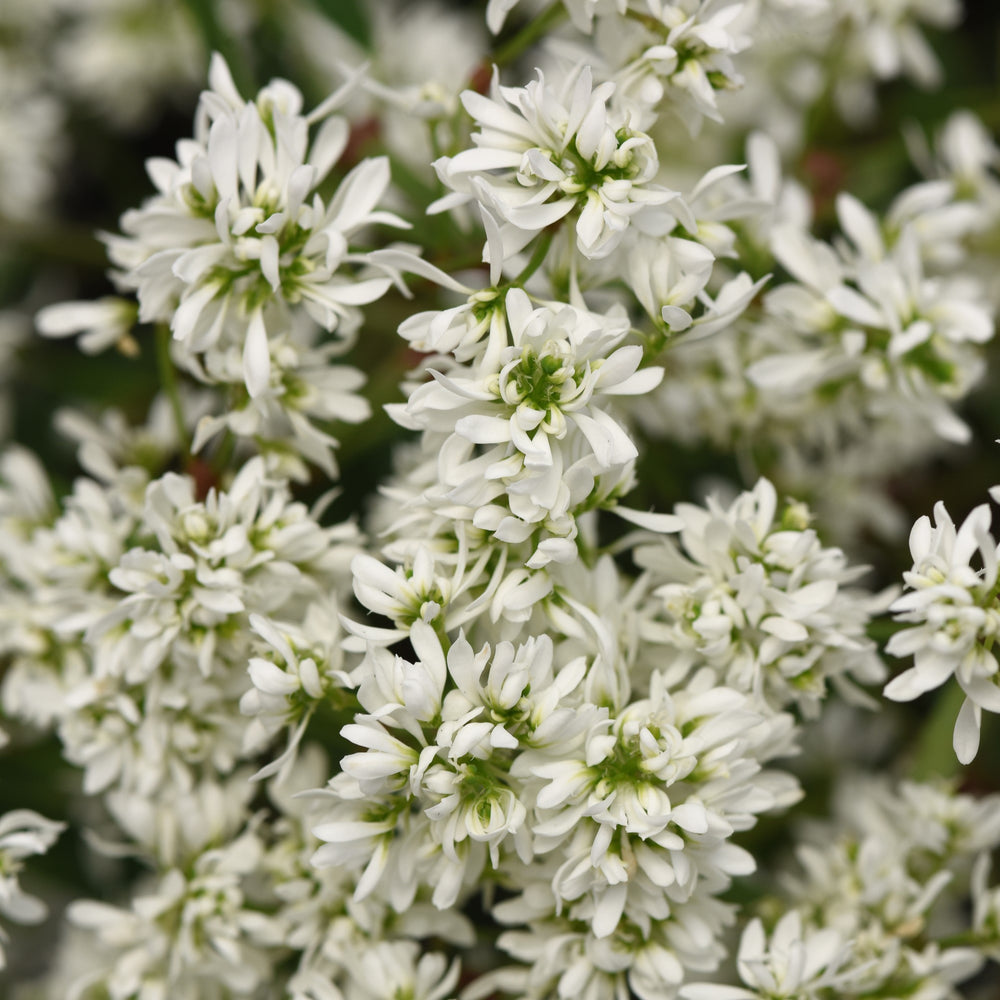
(256, 356)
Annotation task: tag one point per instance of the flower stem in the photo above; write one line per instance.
(539, 255)
(168, 380)
(442, 635)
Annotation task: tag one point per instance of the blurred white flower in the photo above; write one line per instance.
(420, 56)
(889, 38)
(127, 58)
(582, 11)
(187, 931)
(678, 54)
(31, 142)
(388, 970)
(885, 324)
(23, 833)
(797, 963)
(102, 323)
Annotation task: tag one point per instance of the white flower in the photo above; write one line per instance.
(241, 550)
(797, 963)
(460, 330)
(931, 214)
(290, 416)
(103, 323)
(426, 588)
(238, 240)
(286, 696)
(420, 56)
(884, 326)
(682, 56)
(669, 277)
(189, 930)
(136, 640)
(23, 833)
(175, 827)
(955, 614)
(126, 58)
(53, 575)
(433, 790)
(541, 155)
(965, 155)
(925, 816)
(885, 876)
(889, 37)
(26, 500)
(563, 958)
(754, 592)
(582, 11)
(123, 455)
(545, 388)
(149, 736)
(642, 810)
(389, 970)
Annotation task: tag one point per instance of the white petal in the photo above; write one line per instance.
(481, 429)
(966, 736)
(270, 678)
(256, 356)
(611, 445)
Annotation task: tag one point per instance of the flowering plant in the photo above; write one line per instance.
(459, 587)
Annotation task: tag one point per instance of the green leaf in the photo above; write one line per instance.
(349, 15)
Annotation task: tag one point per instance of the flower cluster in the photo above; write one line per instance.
(23, 833)
(872, 910)
(516, 721)
(678, 54)
(878, 327)
(952, 609)
(751, 591)
(249, 266)
(138, 651)
(542, 156)
(525, 425)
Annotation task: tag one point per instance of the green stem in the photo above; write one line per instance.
(966, 939)
(439, 631)
(224, 452)
(217, 40)
(168, 380)
(534, 30)
(540, 253)
(432, 135)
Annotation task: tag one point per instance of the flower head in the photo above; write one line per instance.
(238, 236)
(542, 155)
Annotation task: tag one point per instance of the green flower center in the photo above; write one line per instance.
(542, 381)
